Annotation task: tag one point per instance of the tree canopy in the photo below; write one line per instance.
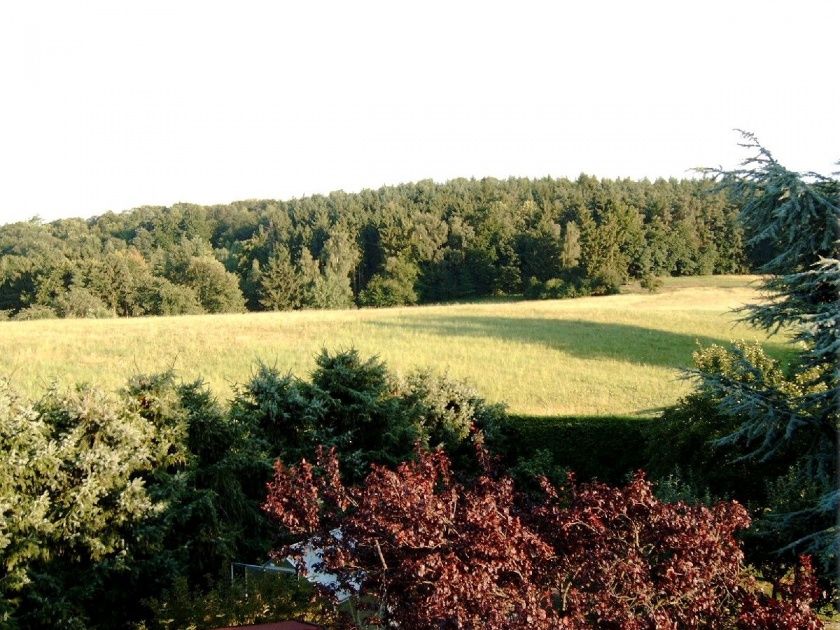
(421, 242)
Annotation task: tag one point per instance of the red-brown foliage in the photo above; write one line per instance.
(434, 553)
(792, 611)
(627, 560)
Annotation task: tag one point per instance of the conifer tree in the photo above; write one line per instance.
(571, 245)
(338, 261)
(280, 283)
(799, 418)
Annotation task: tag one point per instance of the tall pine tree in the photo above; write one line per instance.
(799, 216)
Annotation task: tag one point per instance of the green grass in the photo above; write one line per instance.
(615, 355)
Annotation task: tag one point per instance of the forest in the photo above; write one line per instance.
(413, 243)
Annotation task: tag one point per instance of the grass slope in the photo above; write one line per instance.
(615, 355)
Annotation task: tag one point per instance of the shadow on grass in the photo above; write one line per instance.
(583, 339)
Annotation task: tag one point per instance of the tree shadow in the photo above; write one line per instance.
(579, 338)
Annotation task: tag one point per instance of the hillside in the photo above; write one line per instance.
(611, 355)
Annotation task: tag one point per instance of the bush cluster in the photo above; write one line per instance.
(574, 285)
(114, 507)
(420, 548)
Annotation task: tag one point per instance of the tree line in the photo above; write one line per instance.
(412, 243)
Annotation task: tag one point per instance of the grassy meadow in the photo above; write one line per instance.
(614, 355)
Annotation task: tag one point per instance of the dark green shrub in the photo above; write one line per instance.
(35, 311)
(212, 483)
(349, 404)
(359, 411)
(358, 407)
(651, 282)
(394, 286)
(167, 298)
(605, 282)
(275, 408)
(263, 598)
(81, 302)
(606, 448)
(554, 289)
(557, 288)
(572, 283)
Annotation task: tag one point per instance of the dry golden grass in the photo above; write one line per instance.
(589, 356)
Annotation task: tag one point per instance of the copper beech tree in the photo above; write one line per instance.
(425, 551)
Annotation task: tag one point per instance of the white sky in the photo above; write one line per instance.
(111, 105)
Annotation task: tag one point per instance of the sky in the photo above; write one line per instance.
(105, 106)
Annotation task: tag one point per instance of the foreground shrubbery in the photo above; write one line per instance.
(263, 598)
(108, 502)
(105, 500)
(130, 507)
(427, 551)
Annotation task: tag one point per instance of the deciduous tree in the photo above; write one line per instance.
(432, 552)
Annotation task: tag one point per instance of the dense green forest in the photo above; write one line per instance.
(406, 244)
